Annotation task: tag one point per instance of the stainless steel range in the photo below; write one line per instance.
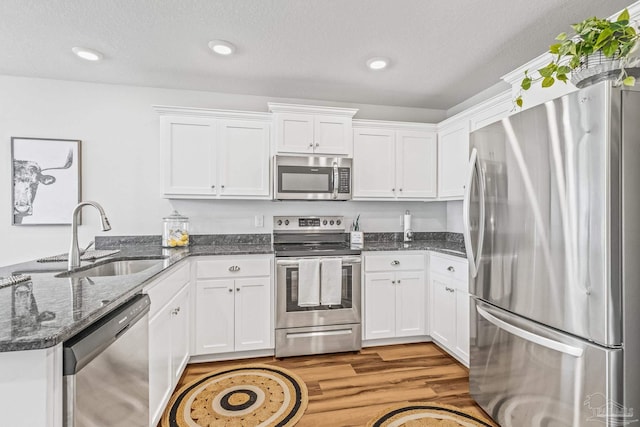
(318, 281)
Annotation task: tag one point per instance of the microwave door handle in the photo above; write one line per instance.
(335, 180)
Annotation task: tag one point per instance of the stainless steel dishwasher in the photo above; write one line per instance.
(106, 370)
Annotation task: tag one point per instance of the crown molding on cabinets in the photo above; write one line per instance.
(275, 107)
(381, 124)
(164, 110)
(469, 113)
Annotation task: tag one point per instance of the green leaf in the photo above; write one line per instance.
(519, 101)
(561, 36)
(629, 81)
(624, 16)
(561, 77)
(610, 48)
(548, 81)
(555, 48)
(563, 69)
(526, 83)
(548, 70)
(603, 38)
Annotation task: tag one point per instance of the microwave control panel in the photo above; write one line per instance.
(344, 180)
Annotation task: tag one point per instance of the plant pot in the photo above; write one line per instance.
(597, 67)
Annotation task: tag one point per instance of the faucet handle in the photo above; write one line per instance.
(91, 243)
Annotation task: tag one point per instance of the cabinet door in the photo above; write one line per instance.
(410, 303)
(416, 164)
(214, 322)
(188, 153)
(453, 156)
(294, 133)
(160, 375)
(379, 306)
(252, 313)
(374, 163)
(443, 311)
(332, 135)
(462, 325)
(180, 336)
(244, 158)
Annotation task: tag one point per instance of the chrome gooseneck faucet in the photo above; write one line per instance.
(74, 251)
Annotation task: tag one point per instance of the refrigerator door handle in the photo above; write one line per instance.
(473, 259)
(530, 336)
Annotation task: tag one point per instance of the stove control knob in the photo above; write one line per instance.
(331, 222)
(279, 222)
(286, 222)
(324, 222)
(338, 222)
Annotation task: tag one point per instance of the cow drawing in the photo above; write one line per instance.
(27, 175)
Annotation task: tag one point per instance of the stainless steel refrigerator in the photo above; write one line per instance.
(552, 229)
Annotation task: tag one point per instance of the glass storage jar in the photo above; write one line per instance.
(176, 230)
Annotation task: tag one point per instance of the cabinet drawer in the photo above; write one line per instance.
(455, 268)
(233, 267)
(163, 289)
(394, 262)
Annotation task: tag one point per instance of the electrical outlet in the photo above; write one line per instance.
(258, 221)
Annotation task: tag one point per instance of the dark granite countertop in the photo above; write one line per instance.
(447, 243)
(48, 310)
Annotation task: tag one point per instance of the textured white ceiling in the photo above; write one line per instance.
(442, 52)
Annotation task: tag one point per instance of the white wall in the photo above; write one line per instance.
(454, 216)
(121, 166)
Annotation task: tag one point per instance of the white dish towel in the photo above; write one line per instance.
(308, 282)
(331, 282)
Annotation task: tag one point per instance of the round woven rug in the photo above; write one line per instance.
(426, 415)
(241, 396)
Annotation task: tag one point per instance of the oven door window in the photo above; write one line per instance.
(292, 291)
(302, 179)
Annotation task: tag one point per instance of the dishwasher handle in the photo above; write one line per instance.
(83, 347)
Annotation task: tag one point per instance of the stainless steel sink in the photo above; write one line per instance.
(114, 268)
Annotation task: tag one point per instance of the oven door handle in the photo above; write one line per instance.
(295, 261)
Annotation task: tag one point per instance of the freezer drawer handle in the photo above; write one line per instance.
(319, 333)
(529, 336)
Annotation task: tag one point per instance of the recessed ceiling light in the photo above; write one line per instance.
(222, 47)
(377, 63)
(88, 54)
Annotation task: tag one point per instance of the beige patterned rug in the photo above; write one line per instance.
(241, 396)
(426, 415)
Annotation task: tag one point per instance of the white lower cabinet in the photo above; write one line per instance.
(233, 308)
(450, 304)
(394, 295)
(169, 327)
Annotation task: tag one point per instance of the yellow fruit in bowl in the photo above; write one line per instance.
(172, 243)
(184, 237)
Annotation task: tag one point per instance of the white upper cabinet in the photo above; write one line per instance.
(453, 155)
(215, 154)
(313, 130)
(392, 162)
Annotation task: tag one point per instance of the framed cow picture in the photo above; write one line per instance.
(46, 180)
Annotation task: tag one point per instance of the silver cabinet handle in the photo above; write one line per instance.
(401, 189)
(231, 268)
(213, 186)
(317, 145)
(451, 269)
(311, 145)
(393, 189)
(234, 268)
(230, 290)
(393, 282)
(237, 289)
(222, 186)
(448, 289)
(175, 311)
(395, 262)
(398, 282)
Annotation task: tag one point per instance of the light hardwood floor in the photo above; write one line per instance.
(348, 389)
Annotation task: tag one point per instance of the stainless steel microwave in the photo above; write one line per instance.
(312, 178)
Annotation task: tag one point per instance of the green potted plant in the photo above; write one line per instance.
(601, 49)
